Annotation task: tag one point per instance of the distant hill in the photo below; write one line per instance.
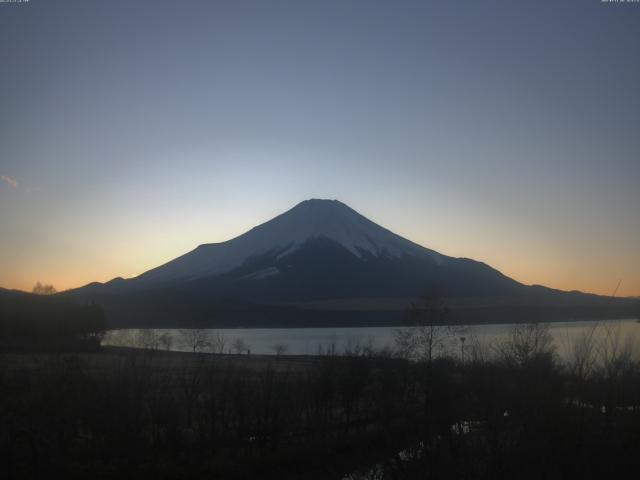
(46, 322)
(322, 263)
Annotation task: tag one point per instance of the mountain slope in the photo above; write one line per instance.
(317, 253)
(284, 235)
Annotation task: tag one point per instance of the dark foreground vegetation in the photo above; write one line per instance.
(511, 412)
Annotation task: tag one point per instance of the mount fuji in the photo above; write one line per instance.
(307, 223)
(319, 263)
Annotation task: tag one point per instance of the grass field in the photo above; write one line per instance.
(130, 413)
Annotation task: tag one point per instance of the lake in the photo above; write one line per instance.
(311, 341)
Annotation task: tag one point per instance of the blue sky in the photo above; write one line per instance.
(130, 132)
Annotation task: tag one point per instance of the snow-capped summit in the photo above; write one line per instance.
(283, 235)
(336, 221)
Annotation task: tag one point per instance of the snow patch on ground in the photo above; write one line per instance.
(260, 274)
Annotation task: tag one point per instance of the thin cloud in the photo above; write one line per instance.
(10, 180)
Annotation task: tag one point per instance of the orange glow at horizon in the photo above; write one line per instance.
(128, 260)
(509, 139)
(27, 279)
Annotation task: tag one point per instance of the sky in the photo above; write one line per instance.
(503, 131)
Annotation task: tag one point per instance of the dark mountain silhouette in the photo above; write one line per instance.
(323, 263)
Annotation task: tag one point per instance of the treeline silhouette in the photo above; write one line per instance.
(511, 411)
(45, 323)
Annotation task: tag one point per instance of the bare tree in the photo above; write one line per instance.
(430, 335)
(239, 345)
(279, 349)
(217, 342)
(583, 359)
(356, 347)
(44, 289)
(615, 351)
(166, 340)
(526, 343)
(476, 350)
(195, 338)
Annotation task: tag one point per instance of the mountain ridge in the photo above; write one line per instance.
(317, 251)
(284, 234)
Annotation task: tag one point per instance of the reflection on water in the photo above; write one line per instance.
(567, 337)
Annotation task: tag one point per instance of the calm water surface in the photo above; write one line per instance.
(311, 341)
